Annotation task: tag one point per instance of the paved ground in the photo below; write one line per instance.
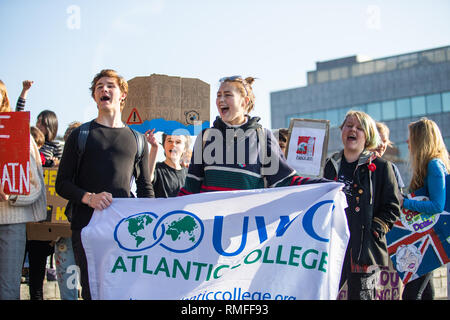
(51, 291)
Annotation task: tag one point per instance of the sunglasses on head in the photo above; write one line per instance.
(232, 78)
(235, 78)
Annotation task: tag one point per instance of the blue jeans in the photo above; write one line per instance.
(67, 271)
(12, 250)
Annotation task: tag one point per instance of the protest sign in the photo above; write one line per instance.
(56, 225)
(283, 243)
(173, 105)
(387, 285)
(307, 146)
(15, 152)
(419, 243)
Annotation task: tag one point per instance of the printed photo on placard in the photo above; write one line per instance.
(307, 146)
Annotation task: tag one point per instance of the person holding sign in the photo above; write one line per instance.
(373, 204)
(106, 166)
(237, 153)
(15, 212)
(430, 165)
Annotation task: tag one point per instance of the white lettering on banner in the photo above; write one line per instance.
(244, 245)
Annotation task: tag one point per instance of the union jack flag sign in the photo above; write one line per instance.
(419, 243)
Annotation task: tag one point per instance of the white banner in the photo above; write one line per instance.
(282, 243)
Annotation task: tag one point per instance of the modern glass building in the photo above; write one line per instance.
(395, 90)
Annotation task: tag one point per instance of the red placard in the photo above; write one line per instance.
(15, 152)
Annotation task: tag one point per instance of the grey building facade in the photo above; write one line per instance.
(395, 90)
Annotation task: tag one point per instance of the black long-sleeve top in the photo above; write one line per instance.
(107, 165)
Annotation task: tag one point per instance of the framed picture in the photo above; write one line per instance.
(307, 146)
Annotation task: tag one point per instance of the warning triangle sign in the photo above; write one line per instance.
(134, 117)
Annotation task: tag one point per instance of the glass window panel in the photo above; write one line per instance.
(322, 76)
(403, 151)
(380, 65)
(388, 110)
(391, 64)
(344, 72)
(403, 108)
(447, 142)
(361, 107)
(368, 67)
(439, 55)
(335, 74)
(433, 103)
(288, 121)
(418, 106)
(374, 110)
(311, 78)
(342, 113)
(356, 70)
(446, 101)
(427, 57)
(333, 116)
(319, 115)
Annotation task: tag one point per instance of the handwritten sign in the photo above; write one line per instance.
(15, 152)
(56, 225)
(56, 205)
(388, 285)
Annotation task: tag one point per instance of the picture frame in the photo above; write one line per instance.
(307, 146)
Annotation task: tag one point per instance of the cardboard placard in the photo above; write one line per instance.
(15, 152)
(56, 224)
(170, 102)
(307, 146)
(47, 231)
(56, 205)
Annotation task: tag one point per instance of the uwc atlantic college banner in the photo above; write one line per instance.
(282, 243)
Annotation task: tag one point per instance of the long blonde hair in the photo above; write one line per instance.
(4, 107)
(426, 143)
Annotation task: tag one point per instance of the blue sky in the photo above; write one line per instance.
(61, 45)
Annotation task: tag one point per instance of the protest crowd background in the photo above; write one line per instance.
(369, 133)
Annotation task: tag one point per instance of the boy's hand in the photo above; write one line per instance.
(150, 135)
(98, 201)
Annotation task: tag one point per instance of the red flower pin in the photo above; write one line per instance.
(372, 167)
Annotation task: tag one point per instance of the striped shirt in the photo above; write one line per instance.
(52, 149)
(226, 160)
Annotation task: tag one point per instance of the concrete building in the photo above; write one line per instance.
(395, 90)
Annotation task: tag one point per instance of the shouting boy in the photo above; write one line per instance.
(106, 164)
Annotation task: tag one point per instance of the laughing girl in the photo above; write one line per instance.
(373, 203)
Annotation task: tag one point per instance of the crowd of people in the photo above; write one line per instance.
(112, 158)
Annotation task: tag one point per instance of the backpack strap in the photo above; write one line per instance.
(140, 141)
(82, 138)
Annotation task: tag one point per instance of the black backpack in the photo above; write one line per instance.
(82, 138)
